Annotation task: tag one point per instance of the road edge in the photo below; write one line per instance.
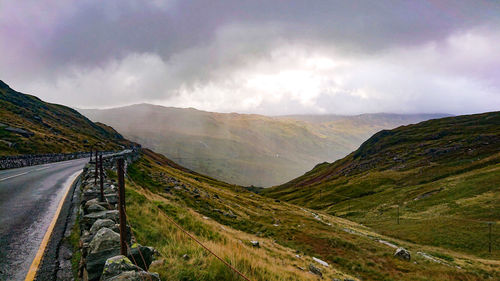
(49, 262)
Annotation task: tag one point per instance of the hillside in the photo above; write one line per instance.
(227, 218)
(442, 176)
(241, 148)
(30, 126)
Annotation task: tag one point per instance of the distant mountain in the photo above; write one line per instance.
(245, 149)
(444, 175)
(30, 126)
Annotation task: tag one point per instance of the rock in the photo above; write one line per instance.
(104, 239)
(402, 254)
(100, 223)
(23, 132)
(96, 261)
(255, 244)
(143, 256)
(135, 276)
(186, 257)
(95, 208)
(90, 194)
(158, 263)
(116, 265)
(315, 270)
(89, 219)
(95, 201)
(324, 263)
(111, 198)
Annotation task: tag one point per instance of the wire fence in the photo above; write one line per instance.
(192, 237)
(399, 213)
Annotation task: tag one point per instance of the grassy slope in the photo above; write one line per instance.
(56, 128)
(444, 174)
(205, 207)
(242, 148)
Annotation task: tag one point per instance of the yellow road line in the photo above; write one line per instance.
(36, 262)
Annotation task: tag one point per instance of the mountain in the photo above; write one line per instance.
(245, 149)
(440, 177)
(266, 239)
(30, 126)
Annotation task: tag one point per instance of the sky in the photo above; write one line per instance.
(271, 57)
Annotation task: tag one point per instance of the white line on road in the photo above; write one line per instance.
(14, 176)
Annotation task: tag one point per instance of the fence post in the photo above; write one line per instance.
(101, 176)
(489, 237)
(96, 163)
(398, 213)
(121, 207)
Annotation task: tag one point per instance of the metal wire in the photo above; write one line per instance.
(198, 242)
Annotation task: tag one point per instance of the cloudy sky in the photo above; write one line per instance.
(270, 57)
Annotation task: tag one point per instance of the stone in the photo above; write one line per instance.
(95, 262)
(95, 208)
(111, 198)
(256, 244)
(116, 265)
(315, 270)
(324, 263)
(142, 255)
(402, 254)
(186, 257)
(135, 276)
(100, 223)
(89, 219)
(104, 239)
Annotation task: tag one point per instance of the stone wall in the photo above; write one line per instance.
(10, 162)
(100, 238)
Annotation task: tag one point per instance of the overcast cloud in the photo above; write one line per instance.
(268, 57)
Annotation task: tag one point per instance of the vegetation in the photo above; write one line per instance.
(227, 217)
(50, 128)
(442, 175)
(246, 149)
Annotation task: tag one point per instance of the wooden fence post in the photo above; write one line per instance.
(121, 207)
(101, 176)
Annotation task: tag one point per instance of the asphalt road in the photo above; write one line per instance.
(29, 198)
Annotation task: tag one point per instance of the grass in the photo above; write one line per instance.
(56, 128)
(443, 174)
(226, 217)
(74, 241)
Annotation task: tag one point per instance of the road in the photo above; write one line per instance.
(29, 198)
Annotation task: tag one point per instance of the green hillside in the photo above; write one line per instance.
(444, 175)
(30, 126)
(226, 218)
(246, 149)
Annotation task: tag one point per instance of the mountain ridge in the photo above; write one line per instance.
(246, 149)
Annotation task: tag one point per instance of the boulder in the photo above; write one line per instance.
(100, 223)
(135, 276)
(111, 198)
(95, 208)
(116, 265)
(256, 244)
(143, 256)
(402, 254)
(313, 269)
(104, 239)
(89, 219)
(96, 261)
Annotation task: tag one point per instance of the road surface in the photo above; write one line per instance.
(29, 198)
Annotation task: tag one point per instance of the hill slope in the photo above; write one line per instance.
(226, 218)
(30, 126)
(442, 176)
(242, 148)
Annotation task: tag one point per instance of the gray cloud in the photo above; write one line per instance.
(271, 57)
